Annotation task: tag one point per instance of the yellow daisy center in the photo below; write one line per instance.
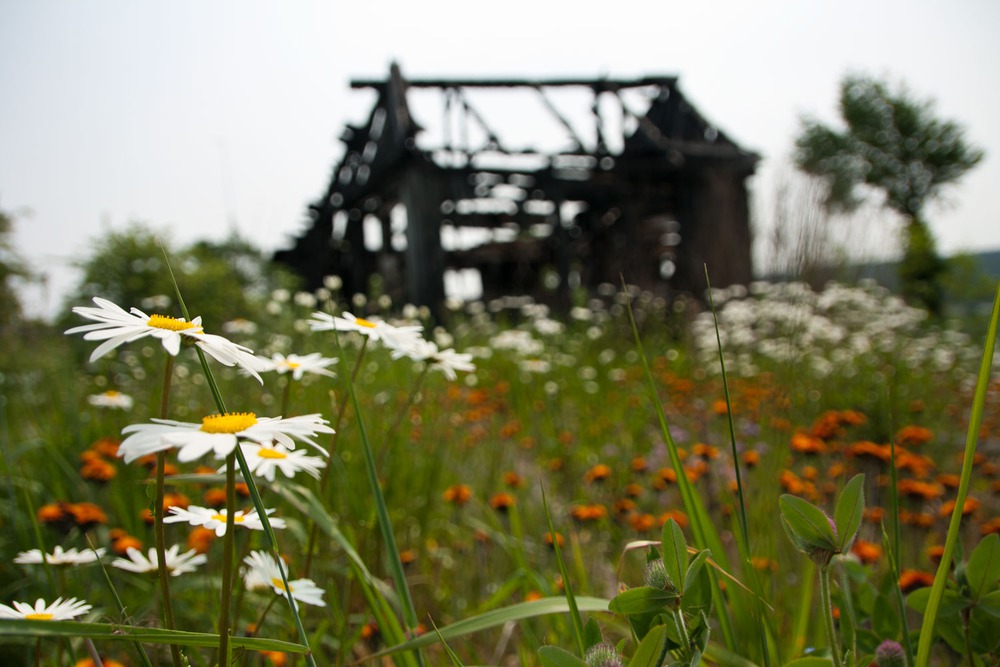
(40, 616)
(231, 422)
(171, 323)
(278, 583)
(266, 453)
(292, 364)
(111, 393)
(364, 323)
(222, 518)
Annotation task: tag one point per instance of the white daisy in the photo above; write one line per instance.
(298, 365)
(177, 563)
(116, 327)
(216, 519)
(60, 610)
(59, 556)
(447, 361)
(219, 434)
(111, 399)
(263, 460)
(263, 572)
(390, 335)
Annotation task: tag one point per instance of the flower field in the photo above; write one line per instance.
(359, 483)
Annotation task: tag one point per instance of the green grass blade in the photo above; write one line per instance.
(702, 528)
(516, 612)
(975, 419)
(574, 611)
(115, 632)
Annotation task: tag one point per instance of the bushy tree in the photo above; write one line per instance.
(12, 269)
(892, 143)
(219, 280)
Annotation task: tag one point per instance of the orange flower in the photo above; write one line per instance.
(910, 436)
(835, 470)
(667, 475)
(531, 596)
(560, 540)
(720, 407)
(970, 506)
(641, 522)
(639, 464)
(51, 513)
(457, 494)
(369, 632)
(865, 448)
(276, 658)
(200, 539)
(918, 519)
(810, 473)
(763, 563)
(935, 552)
(502, 502)
(991, 526)
(215, 497)
(107, 662)
(106, 447)
(867, 552)
(948, 480)
(677, 515)
(917, 489)
(634, 490)
(512, 480)
(407, 556)
(86, 514)
(807, 444)
(121, 541)
(919, 466)
(705, 451)
(584, 513)
(751, 458)
(874, 514)
(598, 473)
(98, 469)
(912, 579)
(555, 464)
(790, 482)
(624, 506)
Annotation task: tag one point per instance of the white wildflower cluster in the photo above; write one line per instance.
(839, 330)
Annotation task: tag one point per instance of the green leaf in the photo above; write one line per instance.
(808, 523)
(950, 604)
(114, 632)
(983, 568)
(553, 656)
(694, 568)
(496, 618)
(990, 603)
(642, 600)
(592, 633)
(650, 650)
(675, 555)
(850, 507)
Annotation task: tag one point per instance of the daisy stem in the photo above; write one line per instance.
(227, 559)
(831, 632)
(161, 548)
(325, 477)
(272, 542)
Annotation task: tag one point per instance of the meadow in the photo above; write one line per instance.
(498, 508)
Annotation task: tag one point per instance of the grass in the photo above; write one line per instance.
(568, 406)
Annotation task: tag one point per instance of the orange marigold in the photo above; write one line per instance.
(584, 513)
(867, 552)
(502, 502)
(457, 494)
(912, 579)
(598, 473)
(804, 443)
(910, 436)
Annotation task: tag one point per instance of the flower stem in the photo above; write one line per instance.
(682, 631)
(831, 632)
(227, 559)
(161, 548)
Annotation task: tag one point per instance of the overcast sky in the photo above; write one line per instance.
(200, 115)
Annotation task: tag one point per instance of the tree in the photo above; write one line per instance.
(12, 270)
(892, 143)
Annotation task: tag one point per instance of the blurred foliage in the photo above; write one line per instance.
(12, 269)
(221, 281)
(894, 143)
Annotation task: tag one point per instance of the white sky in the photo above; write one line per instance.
(194, 115)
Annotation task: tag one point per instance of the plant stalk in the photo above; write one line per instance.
(159, 536)
(825, 602)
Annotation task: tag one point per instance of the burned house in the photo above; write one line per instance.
(627, 180)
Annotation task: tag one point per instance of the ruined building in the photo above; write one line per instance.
(633, 183)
